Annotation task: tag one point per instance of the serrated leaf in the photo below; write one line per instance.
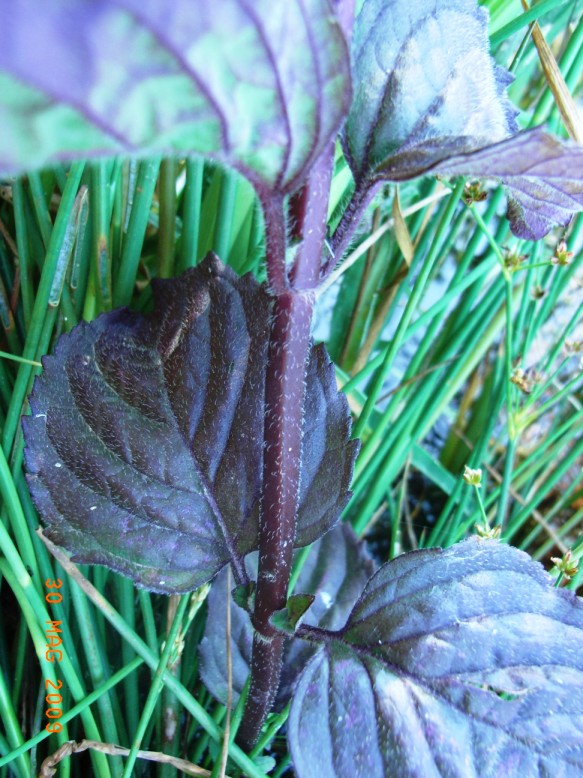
(429, 99)
(335, 572)
(543, 175)
(145, 444)
(425, 87)
(262, 86)
(464, 662)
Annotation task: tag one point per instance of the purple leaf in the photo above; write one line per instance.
(145, 444)
(425, 87)
(458, 662)
(260, 85)
(544, 177)
(335, 571)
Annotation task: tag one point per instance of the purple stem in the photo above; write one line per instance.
(285, 382)
(275, 242)
(345, 13)
(284, 400)
(289, 347)
(351, 218)
(306, 269)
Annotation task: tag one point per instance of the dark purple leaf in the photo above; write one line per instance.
(425, 87)
(544, 177)
(461, 662)
(145, 444)
(259, 84)
(335, 572)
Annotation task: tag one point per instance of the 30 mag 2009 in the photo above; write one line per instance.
(53, 653)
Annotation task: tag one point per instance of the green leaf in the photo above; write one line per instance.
(261, 86)
(425, 87)
(288, 618)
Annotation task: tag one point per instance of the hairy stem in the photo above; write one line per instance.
(306, 270)
(275, 242)
(351, 218)
(284, 407)
(285, 380)
(293, 301)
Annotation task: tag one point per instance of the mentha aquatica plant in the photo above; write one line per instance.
(172, 445)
